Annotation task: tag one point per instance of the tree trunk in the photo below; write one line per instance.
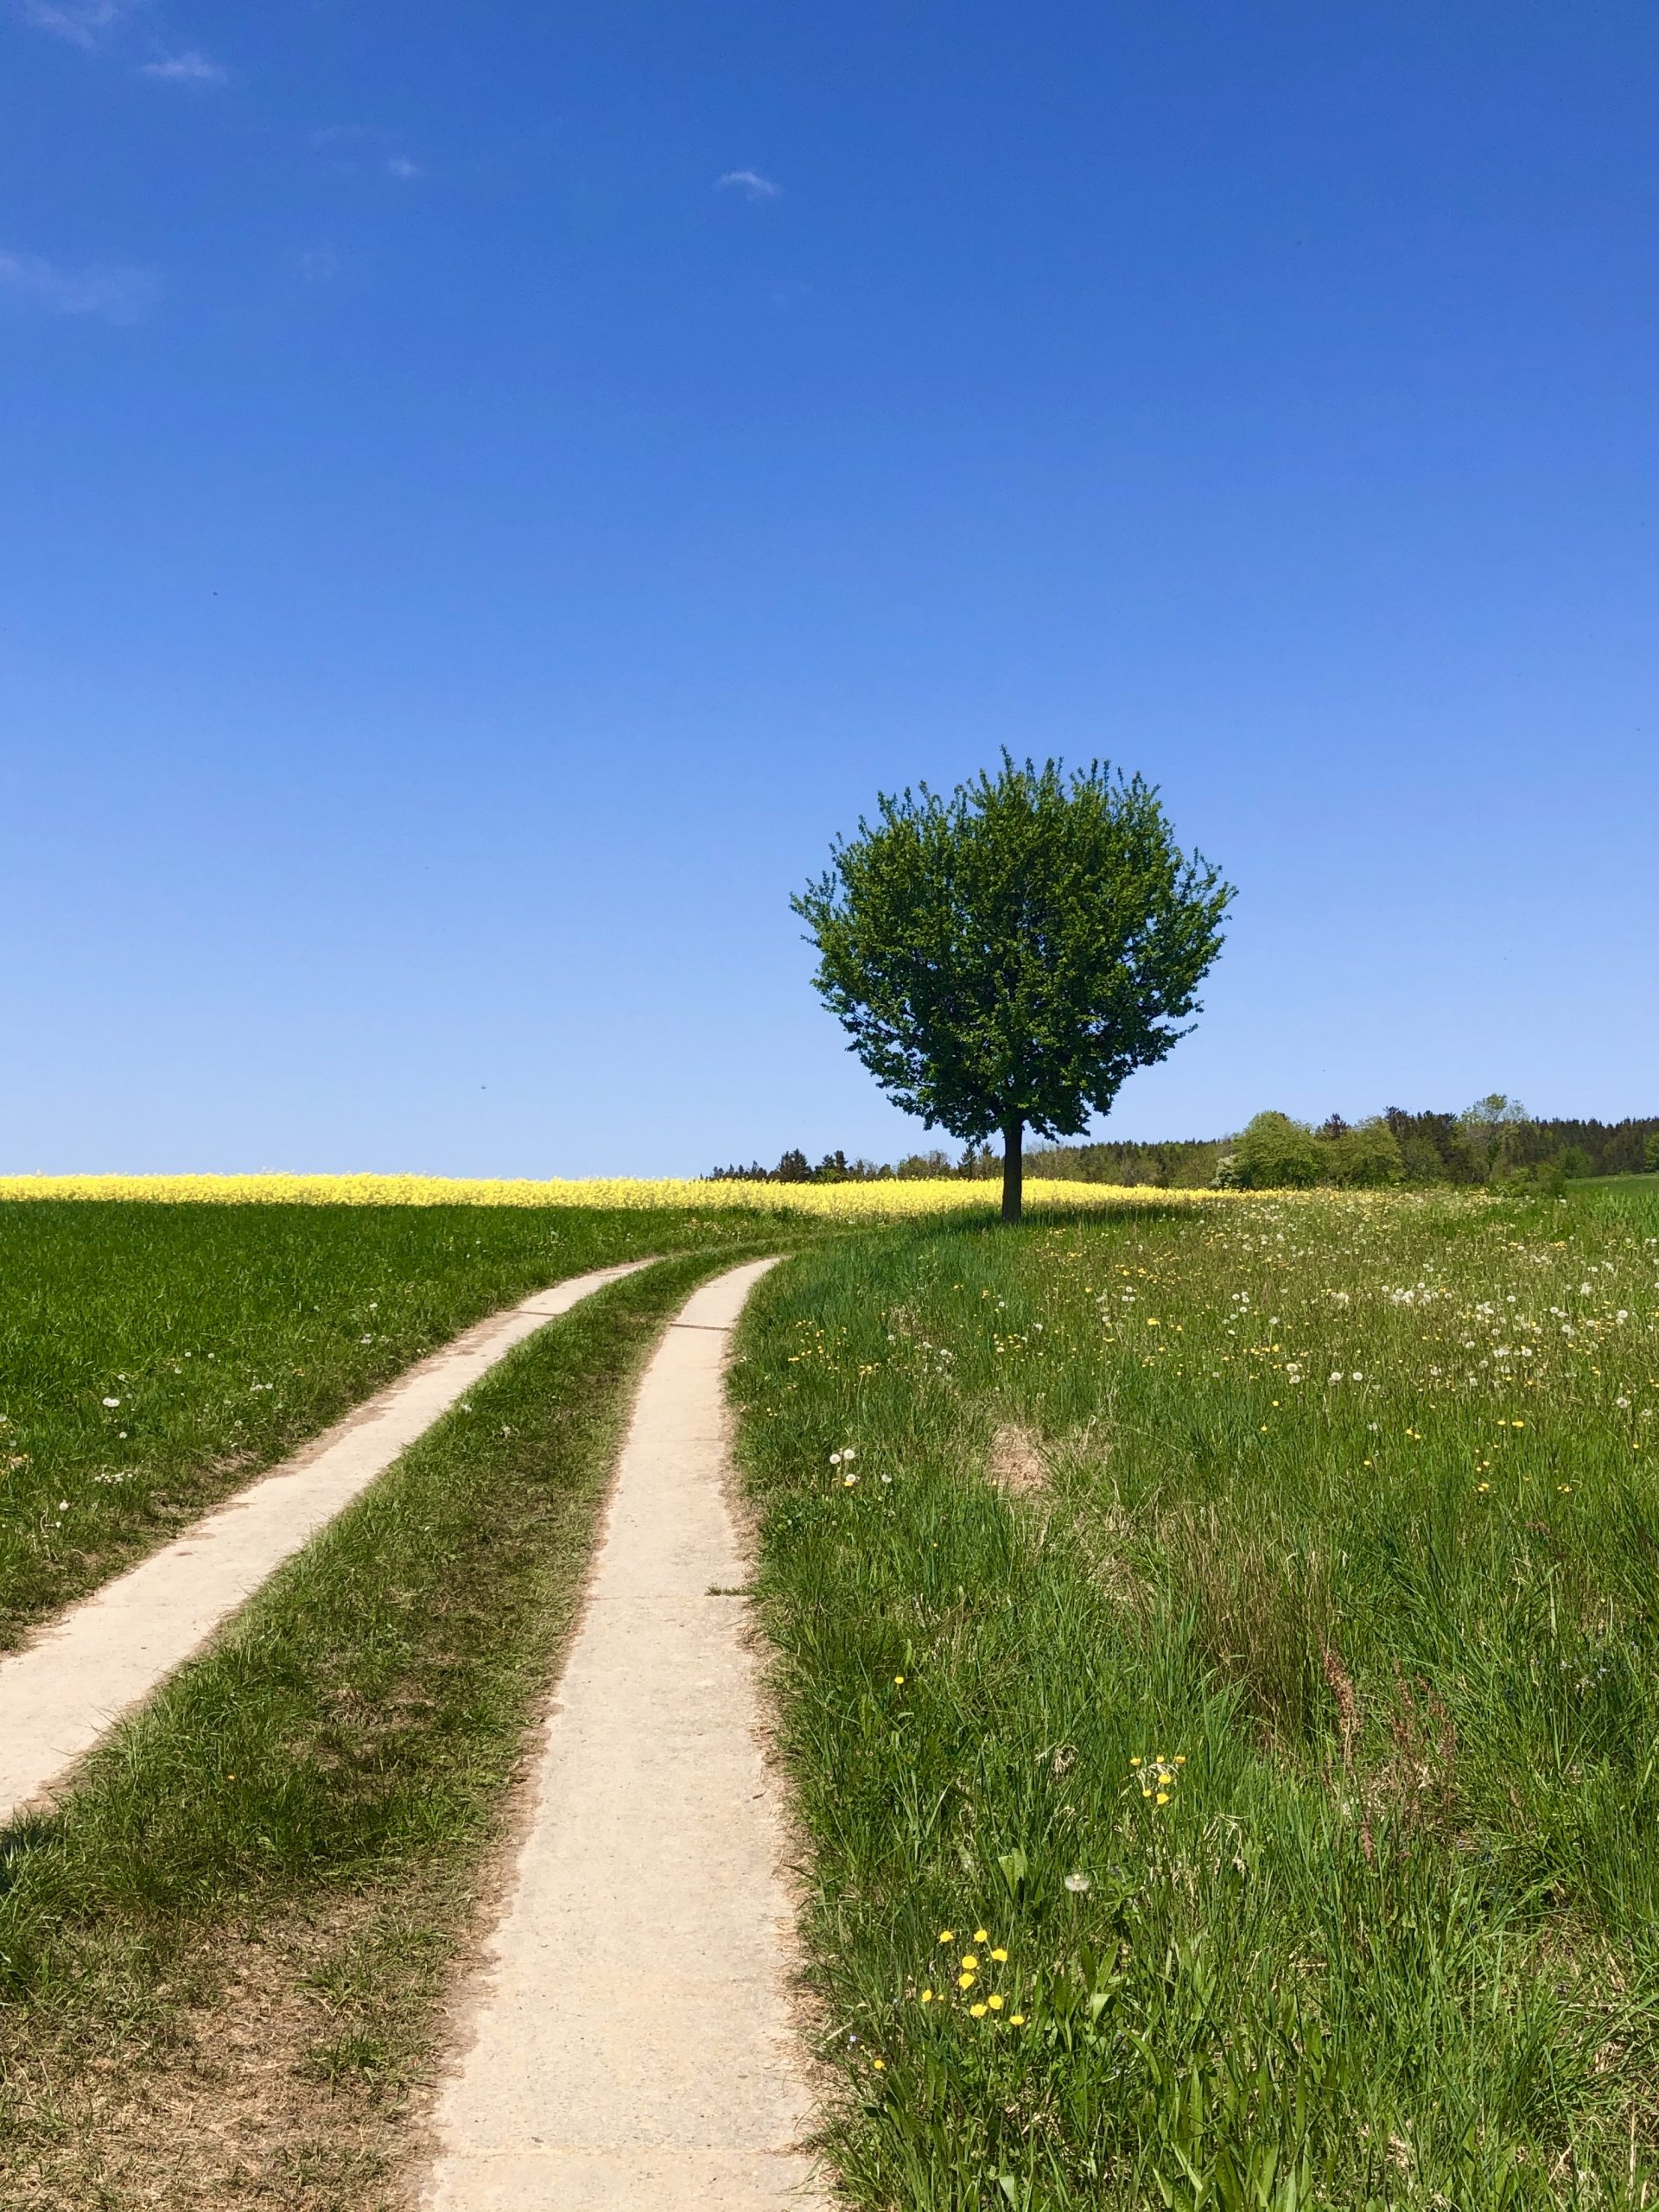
(1013, 1169)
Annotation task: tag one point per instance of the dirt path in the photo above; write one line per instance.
(630, 2043)
(60, 1692)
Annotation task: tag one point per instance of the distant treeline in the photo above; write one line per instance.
(1494, 1141)
(1467, 1148)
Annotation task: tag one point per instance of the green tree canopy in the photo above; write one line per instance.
(1274, 1153)
(1363, 1158)
(1277, 1153)
(1004, 959)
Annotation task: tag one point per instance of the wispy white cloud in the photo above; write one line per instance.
(188, 69)
(79, 20)
(749, 181)
(116, 292)
(350, 149)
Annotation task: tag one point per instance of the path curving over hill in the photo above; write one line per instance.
(83, 1671)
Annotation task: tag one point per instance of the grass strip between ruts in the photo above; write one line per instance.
(222, 1959)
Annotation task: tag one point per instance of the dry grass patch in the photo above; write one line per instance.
(284, 2071)
(1018, 1464)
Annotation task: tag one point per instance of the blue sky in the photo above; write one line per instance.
(486, 493)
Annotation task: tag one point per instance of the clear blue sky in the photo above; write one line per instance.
(487, 491)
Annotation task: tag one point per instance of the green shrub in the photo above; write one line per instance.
(1275, 1154)
(1365, 1158)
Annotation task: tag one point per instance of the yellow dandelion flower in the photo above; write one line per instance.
(947, 1934)
(1134, 1762)
(999, 1956)
(878, 2064)
(995, 2003)
(1163, 1797)
(978, 2011)
(898, 1678)
(1016, 2020)
(970, 1963)
(927, 1997)
(965, 1980)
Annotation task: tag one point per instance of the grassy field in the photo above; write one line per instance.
(154, 1357)
(222, 1964)
(1219, 1662)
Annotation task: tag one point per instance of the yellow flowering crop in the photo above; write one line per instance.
(836, 1201)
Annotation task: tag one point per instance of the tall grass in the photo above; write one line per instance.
(1297, 1744)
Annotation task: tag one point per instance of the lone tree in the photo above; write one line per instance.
(1005, 958)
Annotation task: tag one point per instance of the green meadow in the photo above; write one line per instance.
(1219, 1661)
(1215, 1648)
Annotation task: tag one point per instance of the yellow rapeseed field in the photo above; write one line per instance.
(847, 1201)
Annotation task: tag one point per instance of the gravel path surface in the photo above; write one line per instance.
(630, 2037)
(81, 1672)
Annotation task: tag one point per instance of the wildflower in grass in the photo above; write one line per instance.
(1159, 1779)
(980, 1936)
(111, 1401)
(927, 1997)
(1000, 1957)
(977, 2012)
(994, 2002)
(1016, 2020)
(1079, 1884)
(970, 1962)
(947, 1934)
(966, 1981)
